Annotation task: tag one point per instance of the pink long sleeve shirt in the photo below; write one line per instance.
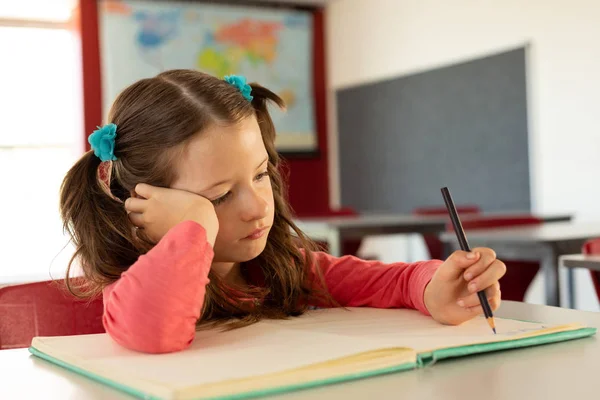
(154, 306)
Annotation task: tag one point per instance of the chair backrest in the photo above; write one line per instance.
(45, 309)
(593, 247)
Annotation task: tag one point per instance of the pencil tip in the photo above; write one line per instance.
(494, 329)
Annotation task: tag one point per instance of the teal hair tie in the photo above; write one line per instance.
(102, 141)
(240, 83)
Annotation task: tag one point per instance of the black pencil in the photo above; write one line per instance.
(464, 245)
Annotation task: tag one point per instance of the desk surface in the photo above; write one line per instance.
(581, 261)
(559, 371)
(390, 223)
(370, 219)
(544, 233)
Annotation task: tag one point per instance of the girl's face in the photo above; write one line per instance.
(227, 164)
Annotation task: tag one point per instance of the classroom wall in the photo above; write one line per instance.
(374, 40)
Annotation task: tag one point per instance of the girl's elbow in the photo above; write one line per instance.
(156, 345)
(167, 343)
(160, 346)
(151, 341)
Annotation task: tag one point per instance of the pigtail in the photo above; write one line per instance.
(98, 226)
(261, 96)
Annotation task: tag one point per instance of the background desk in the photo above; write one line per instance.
(335, 229)
(544, 243)
(591, 262)
(560, 371)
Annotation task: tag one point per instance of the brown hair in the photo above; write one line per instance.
(162, 113)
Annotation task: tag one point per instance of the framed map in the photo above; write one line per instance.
(274, 47)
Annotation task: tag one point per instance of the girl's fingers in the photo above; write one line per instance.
(456, 264)
(472, 300)
(488, 256)
(495, 302)
(136, 205)
(494, 305)
(144, 190)
(477, 310)
(137, 219)
(489, 277)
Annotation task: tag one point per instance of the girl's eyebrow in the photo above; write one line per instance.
(262, 162)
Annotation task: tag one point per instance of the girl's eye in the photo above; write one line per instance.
(221, 199)
(262, 175)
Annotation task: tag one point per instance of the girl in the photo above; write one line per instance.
(179, 218)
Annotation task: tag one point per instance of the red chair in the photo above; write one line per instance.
(45, 309)
(593, 247)
(519, 274)
(433, 242)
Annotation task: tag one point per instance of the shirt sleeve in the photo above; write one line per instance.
(353, 282)
(154, 306)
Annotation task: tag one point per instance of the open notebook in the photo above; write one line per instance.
(320, 347)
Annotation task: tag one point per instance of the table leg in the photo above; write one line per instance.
(571, 287)
(549, 265)
(562, 248)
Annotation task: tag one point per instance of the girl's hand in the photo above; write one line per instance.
(451, 295)
(159, 209)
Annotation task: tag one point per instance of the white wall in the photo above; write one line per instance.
(370, 40)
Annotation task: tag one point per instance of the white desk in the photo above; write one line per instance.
(559, 371)
(544, 243)
(334, 229)
(591, 262)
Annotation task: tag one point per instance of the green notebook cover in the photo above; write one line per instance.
(424, 359)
